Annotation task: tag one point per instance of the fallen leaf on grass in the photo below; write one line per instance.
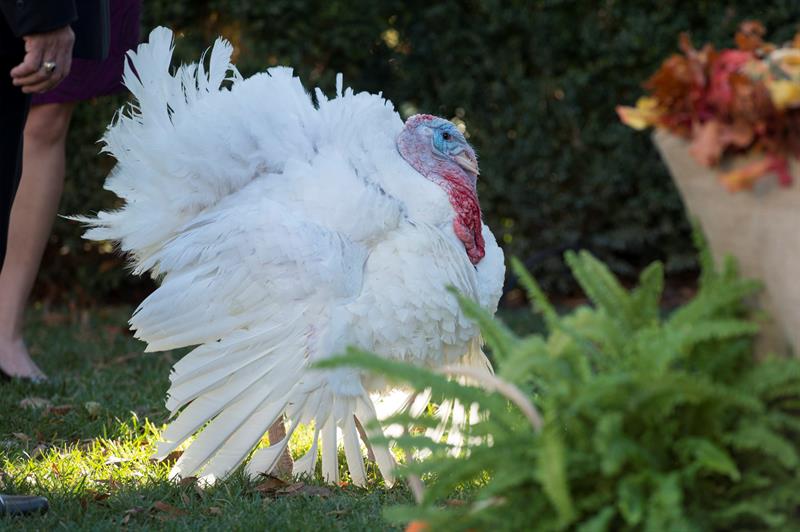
(116, 460)
(301, 488)
(187, 481)
(93, 408)
(113, 484)
(21, 436)
(129, 513)
(293, 488)
(98, 496)
(170, 459)
(271, 485)
(167, 511)
(38, 451)
(59, 410)
(35, 403)
(275, 486)
(214, 510)
(92, 496)
(116, 361)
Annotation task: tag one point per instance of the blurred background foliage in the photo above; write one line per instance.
(534, 83)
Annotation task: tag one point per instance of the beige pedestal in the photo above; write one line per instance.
(761, 228)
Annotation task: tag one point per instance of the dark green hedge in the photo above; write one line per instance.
(535, 82)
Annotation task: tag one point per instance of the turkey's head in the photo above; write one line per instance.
(435, 148)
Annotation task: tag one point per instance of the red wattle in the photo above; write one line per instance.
(467, 223)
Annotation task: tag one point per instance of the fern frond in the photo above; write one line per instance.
(761, 439)
(708, 269)
(714, 298)
(552, 472)
(539, 301)
(708, 456)
(601, 286)
(646, 297)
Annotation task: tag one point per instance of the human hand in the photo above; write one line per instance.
(48, 59)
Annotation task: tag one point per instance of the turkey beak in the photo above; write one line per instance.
(468, 162)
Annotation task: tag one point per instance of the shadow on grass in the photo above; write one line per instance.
(84, 440)
(108, 482)
(236, 504)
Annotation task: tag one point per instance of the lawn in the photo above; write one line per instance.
(84, 440)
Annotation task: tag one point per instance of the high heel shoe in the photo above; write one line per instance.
(22, 505)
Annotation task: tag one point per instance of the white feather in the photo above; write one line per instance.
(281, 233)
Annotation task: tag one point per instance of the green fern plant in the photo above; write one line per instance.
(648, 422)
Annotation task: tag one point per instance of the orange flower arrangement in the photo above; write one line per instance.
(728, 102)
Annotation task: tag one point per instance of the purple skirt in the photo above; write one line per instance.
(88, 79)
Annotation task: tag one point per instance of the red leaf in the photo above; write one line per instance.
(744, 177)
(749, 36)
(707, 146)
(739, 135)
(780, 166)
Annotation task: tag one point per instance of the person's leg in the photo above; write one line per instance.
(13, 110)
(31, 221)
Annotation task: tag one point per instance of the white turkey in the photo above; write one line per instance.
(281, 232)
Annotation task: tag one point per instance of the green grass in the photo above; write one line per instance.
(87, 445)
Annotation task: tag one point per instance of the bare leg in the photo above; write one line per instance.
(31, 221)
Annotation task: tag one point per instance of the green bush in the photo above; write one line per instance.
(535, 82)
(648, 423)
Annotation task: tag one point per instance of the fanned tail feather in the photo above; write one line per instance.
(166, 172)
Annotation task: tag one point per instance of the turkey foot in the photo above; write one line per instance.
(277, 432)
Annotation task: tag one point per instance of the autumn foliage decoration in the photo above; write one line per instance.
(729, 102)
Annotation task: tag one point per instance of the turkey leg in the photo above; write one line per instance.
(363, 434)
(276, 433)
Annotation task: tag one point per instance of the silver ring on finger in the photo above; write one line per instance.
(49, 67)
